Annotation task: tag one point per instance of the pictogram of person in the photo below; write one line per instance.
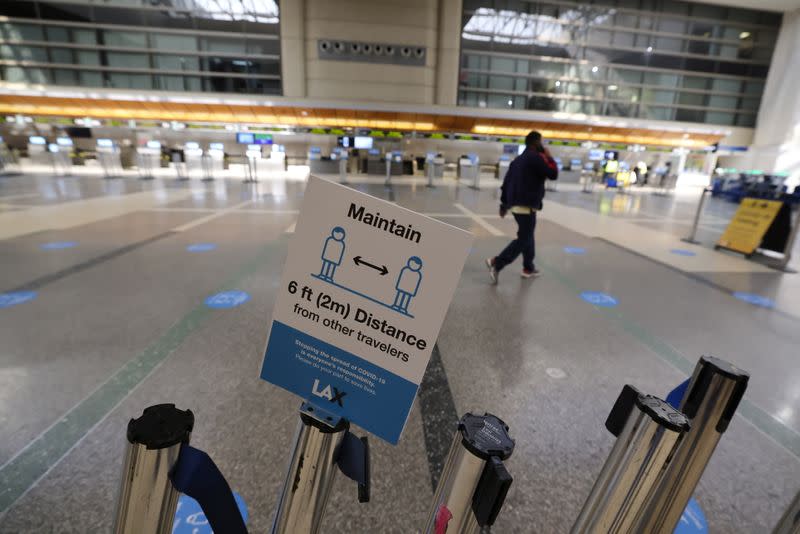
(332, 253)
(407, 284)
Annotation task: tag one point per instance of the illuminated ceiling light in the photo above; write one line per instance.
(744, 35)
(649, 49)
(595, 68)
(304, 113)
(612, 87)
(686, 136)
(558, 83)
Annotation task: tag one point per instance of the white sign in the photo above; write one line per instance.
(364, 292)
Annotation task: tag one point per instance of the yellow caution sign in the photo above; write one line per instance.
(747, 228)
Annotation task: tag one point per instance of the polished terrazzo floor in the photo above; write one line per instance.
(119, 323)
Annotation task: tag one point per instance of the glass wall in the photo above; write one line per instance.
(653, 59)
(172, 45)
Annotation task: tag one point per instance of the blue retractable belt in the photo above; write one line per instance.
(196, 475)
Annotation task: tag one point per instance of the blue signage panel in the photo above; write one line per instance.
(602, 300)
(227, 299)
(13, 298)
(693, 520)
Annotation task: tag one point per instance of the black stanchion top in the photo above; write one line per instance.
(161, 426)
(485, 436)
(658, 410)
(700, 387)
(321, 419)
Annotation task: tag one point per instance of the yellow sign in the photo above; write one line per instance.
(748, 226)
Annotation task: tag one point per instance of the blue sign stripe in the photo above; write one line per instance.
(374, 398)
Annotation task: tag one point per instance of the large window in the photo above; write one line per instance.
(655, 59)
(191, 45)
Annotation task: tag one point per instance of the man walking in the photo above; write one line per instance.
(522, 193)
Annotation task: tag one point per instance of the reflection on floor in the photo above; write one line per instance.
(114, 275)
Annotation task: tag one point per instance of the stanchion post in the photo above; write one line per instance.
(474, 481)
(388, 169)
(711, 399)
(693, 234)
(147, 499)
(318, 443)
(429, 170)
(787, 250)
(790, 522)
(648, 430)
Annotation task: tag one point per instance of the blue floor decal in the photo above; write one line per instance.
(756, 300)
(227, 299)
(602, 300)
(683, 252)
(13, 298)
(201, 247)
(575, 250)
(58, 245)
(190, 519)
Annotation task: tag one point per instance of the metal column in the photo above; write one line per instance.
(388, 169)
(342, 170)
(691, 239)
(648, 431)
(474, 481)
(714, 392)
(429, 170)
(790, 522)
(147, 499)
(312, 469)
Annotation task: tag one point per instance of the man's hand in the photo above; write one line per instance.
(503, 211)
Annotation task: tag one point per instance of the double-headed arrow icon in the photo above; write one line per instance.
(382, 269)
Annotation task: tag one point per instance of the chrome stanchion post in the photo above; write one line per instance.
(388, 168)
(648, 431)
(790, 522)
(474, 481)
(318, 443)
(147, 499)
(711, 399)
(691, 239)
(787, 250)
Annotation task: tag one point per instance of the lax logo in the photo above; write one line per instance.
(329, 392)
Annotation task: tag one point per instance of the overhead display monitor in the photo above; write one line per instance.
(363, 142)
(511, 150)
(64, 141)
(254, 138)
(79, 131)
(254, 148)
(245, 138)
(37, 140)
(105, 143)
(611, 155)
(191, 145)
(596, 154)
(216, 146)
(156, 145)
(344, 141)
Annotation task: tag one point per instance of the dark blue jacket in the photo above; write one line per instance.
(524, 181)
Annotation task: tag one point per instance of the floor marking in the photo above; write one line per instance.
(439, 415)
(555, 372)
(290, 230)
(771, 427)
(207, 218)
(479, 220)
(38, 283)
(34, 461)
(784, 436)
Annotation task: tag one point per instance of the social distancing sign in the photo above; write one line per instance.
(364, 292)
